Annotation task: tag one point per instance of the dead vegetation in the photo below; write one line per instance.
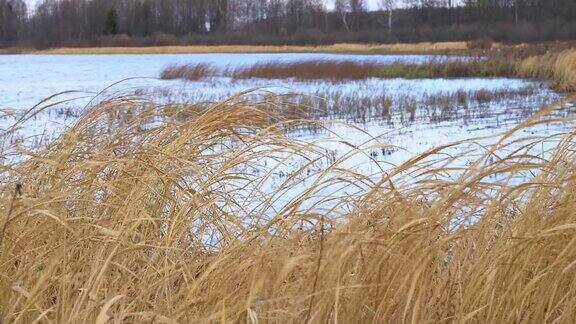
(343, 70)
(308, 70)
(559, 67)
(466, 106)
(555, 66)
(424, 47)
(152, 222)
(189, 72)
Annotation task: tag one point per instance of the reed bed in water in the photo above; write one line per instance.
(308, 70)
(126, 219)
(557, 67)
(495, 106)
(190, 72)
(305, 70)
(341, 70)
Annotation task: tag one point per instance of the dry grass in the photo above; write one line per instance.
(466, 106)
(401, 48)
(12, 50)
(474, 67)
(120, 220)
(341, 70)
(336, 48)
(309, 70)
(559, 67)
(190, 72)
(565, 71)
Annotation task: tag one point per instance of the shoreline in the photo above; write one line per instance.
(341, 48)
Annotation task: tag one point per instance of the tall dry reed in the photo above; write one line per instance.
(559, 67)
(304, 70)
(336, 70)
(309, 70)
(189, 72)
(124, 219)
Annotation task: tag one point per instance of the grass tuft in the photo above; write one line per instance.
(559, 67)
(565, 71)
(189, 72)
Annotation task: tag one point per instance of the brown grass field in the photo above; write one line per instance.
(117, 221)
(336, 48)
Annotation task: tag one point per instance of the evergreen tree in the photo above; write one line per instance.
(111, 24)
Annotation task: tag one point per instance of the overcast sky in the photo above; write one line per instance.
(372, 4)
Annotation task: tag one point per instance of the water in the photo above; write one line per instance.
(27, 79)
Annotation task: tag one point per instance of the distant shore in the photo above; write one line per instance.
(401, 48)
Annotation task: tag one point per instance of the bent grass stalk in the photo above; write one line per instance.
(153, 222)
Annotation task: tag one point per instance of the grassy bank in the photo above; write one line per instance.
(336, 48)
(459, 47)
(126, 220)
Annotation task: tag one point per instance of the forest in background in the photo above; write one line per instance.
(80, 23)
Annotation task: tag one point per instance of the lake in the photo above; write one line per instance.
(421, 113)
(27, 79)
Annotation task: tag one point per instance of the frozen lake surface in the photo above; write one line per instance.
(27, 79)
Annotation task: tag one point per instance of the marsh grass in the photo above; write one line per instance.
(556, 67)
(432, 108)
(343, 70)
(492, 106)
(147, 222)
(308, 70)
(559, 67)
(189, 72)
(474, 67)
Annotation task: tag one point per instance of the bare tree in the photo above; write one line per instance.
(12, 18)
(341, 8)
(388, 6)
(357, 11)
(95, 22)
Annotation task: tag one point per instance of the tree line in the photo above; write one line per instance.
(166, 22)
